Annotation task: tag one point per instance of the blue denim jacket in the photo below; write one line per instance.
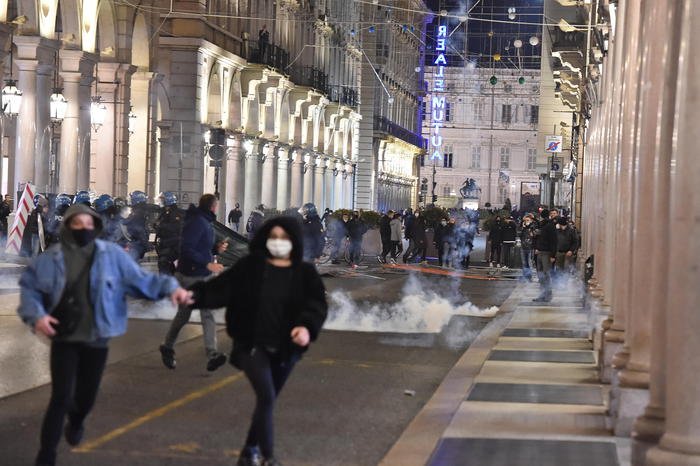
(113, 275)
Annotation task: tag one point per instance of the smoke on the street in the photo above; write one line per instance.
(422, 309)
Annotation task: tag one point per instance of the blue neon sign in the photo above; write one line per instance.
(437, 101)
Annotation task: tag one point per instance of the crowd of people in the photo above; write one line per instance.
(74, 294)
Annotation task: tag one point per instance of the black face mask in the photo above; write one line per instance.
(84, 237)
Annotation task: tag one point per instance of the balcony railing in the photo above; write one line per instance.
(310, 77)
(344, 95)
(270, 55)
(387, 126)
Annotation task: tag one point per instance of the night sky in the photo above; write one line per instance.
(481, 45)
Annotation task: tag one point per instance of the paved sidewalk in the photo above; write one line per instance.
(526, 392)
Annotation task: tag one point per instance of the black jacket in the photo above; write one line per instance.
(508, 231)
(567, 240)
(496, 232)
(417, 230)
(385, 228)
(197, 242)
(238, 288)
(527, 236)
(442, 234)
(546, 237)
(356, 228)
(235, 215)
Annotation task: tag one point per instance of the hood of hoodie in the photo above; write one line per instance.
(75, 209)
(194, 211)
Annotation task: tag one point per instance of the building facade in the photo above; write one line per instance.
(258, 101)
(489, 134)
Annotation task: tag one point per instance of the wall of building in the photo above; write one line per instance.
(479, 135)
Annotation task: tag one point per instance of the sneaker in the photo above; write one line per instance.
(491, 264)
(353, 266)
(215, 361)
(498, 266)
(423, 262)
(271, 462)
(249, 457)
(74, 435)
(168, 357)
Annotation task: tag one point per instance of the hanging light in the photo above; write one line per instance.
(517, 43)
(98, 112)
(57, 105)
(132, 119)
(11, 98)
(534, 40)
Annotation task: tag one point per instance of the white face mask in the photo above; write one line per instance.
(443, 223)
(279, 248)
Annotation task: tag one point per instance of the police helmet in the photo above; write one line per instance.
(40, 200)
(308, 210)
(82, 197)
(103, 203)
(137, 197)
(62, 200)
(120, 202)
(169, 198)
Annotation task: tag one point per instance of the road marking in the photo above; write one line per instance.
(434, 271)
(156, 413)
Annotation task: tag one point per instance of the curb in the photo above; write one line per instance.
(418, 441)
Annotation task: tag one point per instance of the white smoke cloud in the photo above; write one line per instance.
(420, 310)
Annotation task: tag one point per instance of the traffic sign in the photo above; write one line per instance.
(553, 144)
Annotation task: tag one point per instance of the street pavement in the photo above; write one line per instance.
(346, 403)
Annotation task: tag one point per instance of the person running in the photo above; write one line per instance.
(275, 306)
(418, 239)
(255, 219)
(74, 294)
(441, 236)
(196, 263)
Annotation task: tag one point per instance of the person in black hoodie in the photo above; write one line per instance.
(546, 251)
(567, 245)
(275, 306)
(196, 263)
(385, 234)
(508, 234)
(496, 240)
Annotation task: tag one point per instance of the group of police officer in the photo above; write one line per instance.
(126, 224)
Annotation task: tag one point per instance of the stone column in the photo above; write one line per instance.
(309, 167)
(232, 179)
(251, 196)
(623, 409)
(329, 189)
(44, 79)
(664, 24)
(319, 182)
(614, 333)
(348, 194)
(103, 139)
(269, 177)
(283, 178)
(25, 142)
(297, 179)
(680, 444)
(68, 149)
(338, 191)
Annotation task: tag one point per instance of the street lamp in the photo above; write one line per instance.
(132, 119)
(11, 98)
(98, 112)
(57, 105)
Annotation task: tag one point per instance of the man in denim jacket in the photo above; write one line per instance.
(74, 294)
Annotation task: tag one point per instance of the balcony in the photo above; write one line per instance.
(273, 56)
(387, 126)
(343, 95)
(310, 77)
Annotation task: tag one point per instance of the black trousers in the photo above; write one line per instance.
(386, 248)
(396, 249)
(76, 372)
(267, 373)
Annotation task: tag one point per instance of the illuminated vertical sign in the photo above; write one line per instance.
(437, 102)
